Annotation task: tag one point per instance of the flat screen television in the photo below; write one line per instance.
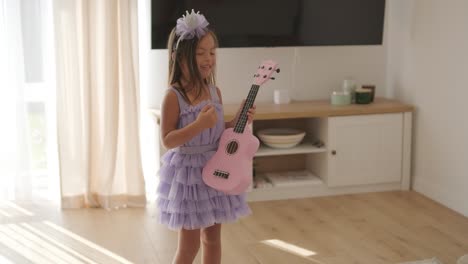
(277, 23)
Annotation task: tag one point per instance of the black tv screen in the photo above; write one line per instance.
(277, 23)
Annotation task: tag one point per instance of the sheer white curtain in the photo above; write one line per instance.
(26, 90)
(13, 154)
(98, 103)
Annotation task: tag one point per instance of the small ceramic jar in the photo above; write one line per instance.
(363, 96)
(340, 98)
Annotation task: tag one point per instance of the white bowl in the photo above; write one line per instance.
(281, 137)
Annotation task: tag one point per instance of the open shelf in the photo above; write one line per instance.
(303, 148)
(287, 188)
(287, 179)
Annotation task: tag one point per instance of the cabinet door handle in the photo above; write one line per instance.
(333, 152)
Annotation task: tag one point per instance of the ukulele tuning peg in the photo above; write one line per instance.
(278, 70)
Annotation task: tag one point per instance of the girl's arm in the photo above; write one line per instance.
(172, 137)
(233, 122)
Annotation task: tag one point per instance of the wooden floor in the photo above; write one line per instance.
(387, 227)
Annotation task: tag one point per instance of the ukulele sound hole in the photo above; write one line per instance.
(232, 147)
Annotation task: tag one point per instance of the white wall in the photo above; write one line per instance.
(398, 35)
(431, 72)
(307, 72)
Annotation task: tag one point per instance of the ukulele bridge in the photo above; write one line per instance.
(221, 174)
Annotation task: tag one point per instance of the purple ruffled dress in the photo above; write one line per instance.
(184, 200)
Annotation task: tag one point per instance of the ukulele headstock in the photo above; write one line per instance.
(265, 71)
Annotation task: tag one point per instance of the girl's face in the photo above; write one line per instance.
(206, 55)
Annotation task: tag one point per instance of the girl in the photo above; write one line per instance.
(191, 125)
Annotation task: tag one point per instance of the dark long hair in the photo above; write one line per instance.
(186, 51)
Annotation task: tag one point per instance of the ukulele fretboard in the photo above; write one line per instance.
(242, 121)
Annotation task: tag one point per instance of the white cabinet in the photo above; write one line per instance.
(361, 153)
(365, 149)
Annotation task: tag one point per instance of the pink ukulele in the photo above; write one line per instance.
(230, 170)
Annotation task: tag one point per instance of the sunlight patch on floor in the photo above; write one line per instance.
(56, 246)
(87, 242)
(23, 247)
(46, 242)
(289, 247)
(4, 260)
(4, 204)
(5, 214)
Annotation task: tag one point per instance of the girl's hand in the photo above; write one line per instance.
(207, 117)
(250, 114)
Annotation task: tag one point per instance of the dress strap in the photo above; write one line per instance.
(214, 93)
(182, 103)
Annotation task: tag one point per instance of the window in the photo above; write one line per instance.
(29, 88)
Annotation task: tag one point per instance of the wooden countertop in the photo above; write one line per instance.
(314, 108)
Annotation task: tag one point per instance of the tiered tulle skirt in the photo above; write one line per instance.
(185, 201)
